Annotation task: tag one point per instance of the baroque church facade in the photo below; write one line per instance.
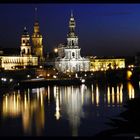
(31, 51)
(69, 58)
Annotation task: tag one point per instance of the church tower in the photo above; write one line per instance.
(37, 40)
(71, 60)
(72, 50)
(72, 39)
(25, 44)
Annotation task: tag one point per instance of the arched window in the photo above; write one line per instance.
(73, 54)
(28, 51)
(23, 51)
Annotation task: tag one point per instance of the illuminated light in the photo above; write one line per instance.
(92, 94)
(76, 75)
(41, 98)
(121, 97)
(55, 50)
(85, 74)
(97, 95)
(108, 96)
(48, 74)
(28, 76)
(54, 91)
(102, 69)
(25, 101)
(48, 93)
(40, 66)
(4, 79)
(113, 96)
(37, 76)
(54, 76)
(129, 74)
(57, 113)
(83, 80)
(11, 80)
(139, 84)
(118, 99)
(37, 93)
(82, 92)
(6, 103)
(131, 92)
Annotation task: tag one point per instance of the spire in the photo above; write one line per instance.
(72, 24)
(71, 13)
(35, 13)
(25, 31)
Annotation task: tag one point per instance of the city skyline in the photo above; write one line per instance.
(103, 29)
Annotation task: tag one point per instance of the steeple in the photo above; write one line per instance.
(35, 14)
(37, 38)
(72, 39)
(36, 24)
(71, 13)
(25, 43)
(72, 25)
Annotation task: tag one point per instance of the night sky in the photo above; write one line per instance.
(103, 29)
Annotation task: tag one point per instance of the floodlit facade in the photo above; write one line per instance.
(69, 58)
(24, 59)
(100, 64)
(37, 42)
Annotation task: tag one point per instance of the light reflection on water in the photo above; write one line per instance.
(74, 104)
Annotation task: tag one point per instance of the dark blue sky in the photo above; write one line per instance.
(103, 29)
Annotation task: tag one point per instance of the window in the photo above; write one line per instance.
(73, 54)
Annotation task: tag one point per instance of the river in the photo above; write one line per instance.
(72, 110)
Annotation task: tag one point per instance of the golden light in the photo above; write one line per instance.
(55, 50)
(129, 74)
(131, 92)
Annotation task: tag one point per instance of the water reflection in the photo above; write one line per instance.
(69, 102)
(131, 92)
(30, 108)
(115, 95)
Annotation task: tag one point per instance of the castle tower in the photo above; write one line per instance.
(37, 40)
(25, 44)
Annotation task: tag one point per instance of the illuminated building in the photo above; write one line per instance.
(69, 59)
(25, 44)
(24, 59)
(37, 41)
(100, 64)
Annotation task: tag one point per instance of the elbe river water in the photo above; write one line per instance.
(72, 110)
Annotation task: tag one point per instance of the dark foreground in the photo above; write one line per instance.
(126, 125)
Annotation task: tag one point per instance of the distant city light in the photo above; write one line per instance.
(11, 80)
(55, 50)
(83, 80)
(28, 76)
(54, 76)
